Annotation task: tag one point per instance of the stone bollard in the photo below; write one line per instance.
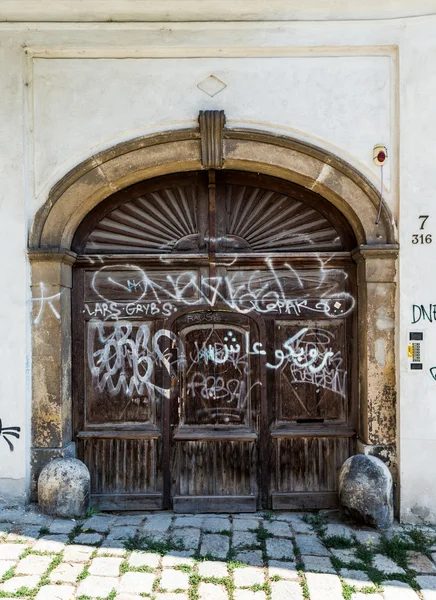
(64, 487)
(366, 491)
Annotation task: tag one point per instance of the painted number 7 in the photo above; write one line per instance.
(424, 219)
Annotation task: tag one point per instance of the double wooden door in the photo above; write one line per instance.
(214, 346)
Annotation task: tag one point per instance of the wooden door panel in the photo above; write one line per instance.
(305, 470)
(120, 381)
(311, 370)
(217, 379)
(125, 473)
(215, 441)
(215, 468)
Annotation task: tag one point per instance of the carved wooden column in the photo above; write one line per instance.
(211, 134)
(51, 283)
(376, 275)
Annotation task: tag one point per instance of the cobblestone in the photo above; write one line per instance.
(386, 565)
(173, 580)
(216, 524)
(324, 587)
(100, 523)
(279, 548)
(215, 545)
(14, 584)
(286, 590)
(318, 563)
(213, 568)
(105, 567)
(245, 524)
(157, 523)
(188, 537)
(78, 554)
(420, 563)
(178, 558)
(249, 595)
(369, 538)
(169, 596)
(169, 582)
(90, 539)
(346, 555)
(250, 557)
(310, 544)
(137, 583)
(343, 531)
(66, 572)
(278, 528)
(62, 526)
(122, 533)
(397, 590)
(211, 591)
(248, 576)
(56, 592)
(5, 565)
(284, 570)
(97, 587)
(244, 538)
(144, 559)
(34, 564)
(11, 551)
(357, 579)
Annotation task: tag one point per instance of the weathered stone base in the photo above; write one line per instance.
(40, 457)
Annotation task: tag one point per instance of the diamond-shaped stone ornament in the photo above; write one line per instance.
(212, 86)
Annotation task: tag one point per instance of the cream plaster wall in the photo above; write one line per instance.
(69, 90)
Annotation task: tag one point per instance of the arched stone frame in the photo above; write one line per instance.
(143, 158)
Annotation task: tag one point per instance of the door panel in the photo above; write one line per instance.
(217, 422)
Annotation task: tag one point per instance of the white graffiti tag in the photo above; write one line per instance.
(120, 361)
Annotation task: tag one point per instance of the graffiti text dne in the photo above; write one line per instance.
(423, 313)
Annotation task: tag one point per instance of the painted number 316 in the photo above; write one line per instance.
(421, 238)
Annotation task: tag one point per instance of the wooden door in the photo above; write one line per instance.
(214, 345)
(217, 413)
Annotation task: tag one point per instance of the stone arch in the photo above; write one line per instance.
(143, 158)
(125, 164)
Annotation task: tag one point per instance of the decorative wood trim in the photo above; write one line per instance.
(211, 135)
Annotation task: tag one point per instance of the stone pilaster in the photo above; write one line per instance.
(376, 333)
(51, 282)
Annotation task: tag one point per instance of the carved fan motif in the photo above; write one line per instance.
(158, 222)
(270, 221)
(249, 219)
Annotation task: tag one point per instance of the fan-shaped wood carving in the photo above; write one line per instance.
(158, 222)
(268, 221)
(249, 219)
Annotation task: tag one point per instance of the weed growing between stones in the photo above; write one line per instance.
(184, 568)
(126, 568)
(338, 542)
(77, 529)
(138, 542)
(9, 574)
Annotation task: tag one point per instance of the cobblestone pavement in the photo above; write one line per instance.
(262, 556)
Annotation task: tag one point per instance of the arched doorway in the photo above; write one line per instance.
(215, 345)
(339, 196)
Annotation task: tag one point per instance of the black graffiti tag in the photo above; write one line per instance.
(9, 431)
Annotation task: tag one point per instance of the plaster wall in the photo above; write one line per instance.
(70, 90)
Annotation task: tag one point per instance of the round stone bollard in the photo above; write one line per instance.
(64, 487)
(366, 491)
